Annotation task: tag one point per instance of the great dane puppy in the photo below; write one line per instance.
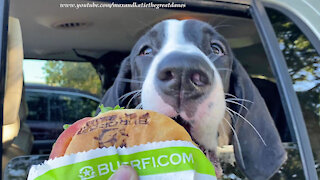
(187, 71)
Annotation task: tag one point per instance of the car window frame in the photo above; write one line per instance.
(288, 96)
(70, 93)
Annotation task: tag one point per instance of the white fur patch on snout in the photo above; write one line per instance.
(210, 112)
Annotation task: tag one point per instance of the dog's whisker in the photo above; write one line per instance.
(125, 96)
(224, 69)
(238, 114)
(128, 80)
(239, 99)
(234, 102)
(230, 114)
(213, 60)
(139, 106)
(236, 98)
(134, 96)
(128, 94)
(237, 139)
(141, 77)
(222, 26)
(228, 94)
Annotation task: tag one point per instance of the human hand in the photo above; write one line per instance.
(125, 173)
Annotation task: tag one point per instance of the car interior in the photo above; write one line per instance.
(40, 29)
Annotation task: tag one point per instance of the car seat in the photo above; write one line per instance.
(16, 136)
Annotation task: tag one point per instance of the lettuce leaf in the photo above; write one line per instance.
(65, 126)
(106, 109)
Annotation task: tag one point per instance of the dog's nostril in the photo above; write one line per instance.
(198, 79)
(166, 75)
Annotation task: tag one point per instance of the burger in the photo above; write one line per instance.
(119, 128)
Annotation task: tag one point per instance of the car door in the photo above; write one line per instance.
(290, 75)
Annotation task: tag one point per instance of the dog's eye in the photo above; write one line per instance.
(217, 49)
(145, 51)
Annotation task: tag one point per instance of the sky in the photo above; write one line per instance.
(32, 71)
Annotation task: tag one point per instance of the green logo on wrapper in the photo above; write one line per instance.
(87, 173)
(152, 162)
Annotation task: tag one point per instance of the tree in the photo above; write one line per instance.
(78, 75)
(303, 62)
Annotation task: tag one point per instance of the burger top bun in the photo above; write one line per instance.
(126, 128)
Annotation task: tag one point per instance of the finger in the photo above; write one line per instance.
(125, 173)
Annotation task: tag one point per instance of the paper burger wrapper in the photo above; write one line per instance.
(157, 160)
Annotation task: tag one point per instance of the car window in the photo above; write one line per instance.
(37, 106)
(303, 63)
(58, 93)
(71, 108)
(69, 74)
(53, 107)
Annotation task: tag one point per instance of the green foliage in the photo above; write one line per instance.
(106, 109)
(76, 75)
(302, 60)
(65, 126)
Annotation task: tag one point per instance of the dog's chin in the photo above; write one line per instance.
(188, 126)
(211, 155)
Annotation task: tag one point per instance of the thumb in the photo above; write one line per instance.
(125, 173)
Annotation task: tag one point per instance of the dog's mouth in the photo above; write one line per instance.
(187, 126)
(211, 155)
(183, 123)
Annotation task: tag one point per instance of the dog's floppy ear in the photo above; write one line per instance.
(112, 97)
(258, 157)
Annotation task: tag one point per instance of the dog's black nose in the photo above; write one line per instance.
(184, 75)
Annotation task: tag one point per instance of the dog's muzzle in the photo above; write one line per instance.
(183, 77)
